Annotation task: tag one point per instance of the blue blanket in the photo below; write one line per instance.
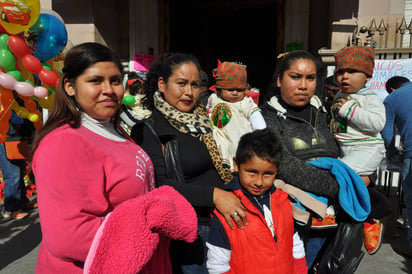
(353, 193)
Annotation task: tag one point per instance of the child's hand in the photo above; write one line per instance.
(341, 102)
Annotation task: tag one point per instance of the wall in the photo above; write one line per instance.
(297, 22)
(144, 28)
(319, 25)
(107, 22)
(390, 12)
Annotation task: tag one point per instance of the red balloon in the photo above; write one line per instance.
(31, 63)
(48, 77)
(18, 46)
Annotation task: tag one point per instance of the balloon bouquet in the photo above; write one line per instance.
(31, 41)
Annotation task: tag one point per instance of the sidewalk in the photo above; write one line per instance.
(19, 243)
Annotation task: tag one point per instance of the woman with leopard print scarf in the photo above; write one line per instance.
(172, 92)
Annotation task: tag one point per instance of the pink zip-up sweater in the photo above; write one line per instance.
(80, 178)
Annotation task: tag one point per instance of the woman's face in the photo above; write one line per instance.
(298, 83)
(98, 90)
(182, 89)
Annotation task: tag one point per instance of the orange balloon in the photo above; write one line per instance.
(6, 99)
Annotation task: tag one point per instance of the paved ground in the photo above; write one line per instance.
(19, 243)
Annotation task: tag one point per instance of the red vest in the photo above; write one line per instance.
(254, 249)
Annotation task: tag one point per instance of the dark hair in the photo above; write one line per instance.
(65, 108)
(136, 86)
(331, 81)
(164, 67)
(203, 79)
(395, 82)
(287, 59)
(263, 143)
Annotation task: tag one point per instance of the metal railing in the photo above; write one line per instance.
(377, 36)
(387, 40)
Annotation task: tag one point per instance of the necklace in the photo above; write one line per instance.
(259, 204)
(267, 214)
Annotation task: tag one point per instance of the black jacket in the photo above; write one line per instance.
(302, 142)
(199, 174)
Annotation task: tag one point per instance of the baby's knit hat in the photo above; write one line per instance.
(230, 75)
(356, 58)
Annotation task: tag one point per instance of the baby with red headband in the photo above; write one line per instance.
(232, 113)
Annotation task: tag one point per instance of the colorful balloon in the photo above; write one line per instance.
(24, 113)
(31, 106)
(16, 16)
(47, 102)
(7, 61)
(128, 100)
(40, 92)
(22, 88)
(31, 63)
(6, 99)
(47, 37)
(7, 81)
(51, 12)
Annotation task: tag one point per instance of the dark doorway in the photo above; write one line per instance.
(241, 31)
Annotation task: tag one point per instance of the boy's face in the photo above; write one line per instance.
(351, 81)
(256, 175)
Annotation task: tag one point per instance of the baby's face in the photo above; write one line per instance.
(351, 81)
(232, 95)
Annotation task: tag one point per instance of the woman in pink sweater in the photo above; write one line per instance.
(86, 168)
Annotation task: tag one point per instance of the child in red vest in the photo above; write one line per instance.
(269, 243)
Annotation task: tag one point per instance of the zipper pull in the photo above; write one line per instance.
(315, 138)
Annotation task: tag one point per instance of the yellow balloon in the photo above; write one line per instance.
(24, 113)
(17, 16)
(33, 117)
(47, 102)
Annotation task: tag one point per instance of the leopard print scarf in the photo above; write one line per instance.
(196, 124)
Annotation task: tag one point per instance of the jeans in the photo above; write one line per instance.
(190, 258)
(407, 192)
(313, 246)
(13, 174)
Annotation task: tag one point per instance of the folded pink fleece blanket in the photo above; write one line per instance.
(135, 237)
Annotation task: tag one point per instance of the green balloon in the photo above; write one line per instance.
(16, 74)
(4, 41)
(6, 57)
(128, 100)
(7, 60)
(47, 66)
